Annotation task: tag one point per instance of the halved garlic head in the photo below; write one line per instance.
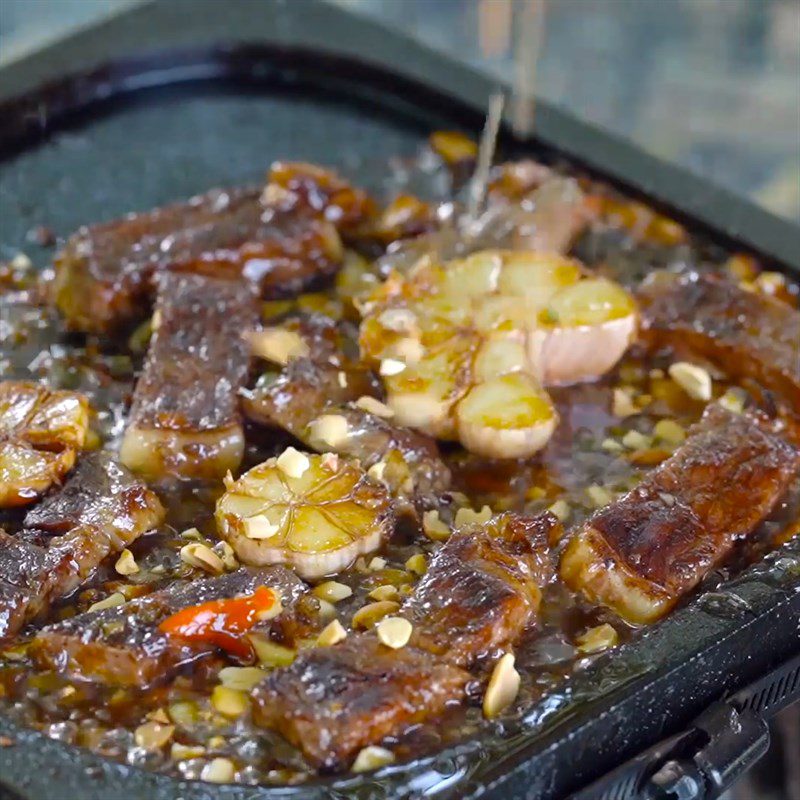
(40, 433)
(318, 520)
(506, 417)
(471, 324)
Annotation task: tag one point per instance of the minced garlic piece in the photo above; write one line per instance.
(241, 678)
(417, 564)
(598, 638)
(694, 380)
(622, 405)
(126, 563)
(277, 345)
(466, 516)
(669, 431)
(503, 687)
(114, 599)
(560, 509)
(183, 752)
(153, 735)
(394, 632)
(229, 702)
(201, 556)
(269, 653)
(634, 440)
(385, 592)
(434, 528)
(332, 591)
(374, 406)
(292, 463)
(391, 366)
(218, 770)
(599, 496)
(332, 634)
(330, 429)
(367, 616)
(372, 758)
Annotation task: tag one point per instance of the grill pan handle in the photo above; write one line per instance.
(719, 747)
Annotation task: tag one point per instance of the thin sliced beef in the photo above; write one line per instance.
(746, 333)
(122, 646)
(283, 239)
(100, 494)
(482, 588)
(100, 511)
(28, 574)
(185, 417)
(303, 391)
(640, 554)
(333, 701)
(307, 390)
(547, 217)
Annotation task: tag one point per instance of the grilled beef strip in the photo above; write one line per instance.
(746, 333)
(482, 588)
(283, 239)
(546, 215)
(122, 646)
(185, 415)
(40, 433)
(307, 390)
(100, 510)
(640, 554)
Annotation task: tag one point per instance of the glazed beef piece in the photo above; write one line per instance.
(482, 588)
(308, 389)
(101, 494)
(283, 239)
(746, 333)
(123, 646)
(333, 701)
(544, 212)
(27, 577)
(640, 554)
(100, 510)
(185, 415)
(41, 432)
(302, 392)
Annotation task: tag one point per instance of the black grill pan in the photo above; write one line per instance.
(155, 108)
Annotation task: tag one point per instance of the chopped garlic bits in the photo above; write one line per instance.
(315, 514)
(278, 345)
(372, 758)
(694, 380)
(394, 632)
(465, 347)
(503, 687)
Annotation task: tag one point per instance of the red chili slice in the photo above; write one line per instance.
(222, 623)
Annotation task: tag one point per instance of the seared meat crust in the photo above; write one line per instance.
(100, 511)
(185, 417)
(482, 588)
(333, 701)
(283, 239)
(746, 333)
(122, 646)
(640, 554)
